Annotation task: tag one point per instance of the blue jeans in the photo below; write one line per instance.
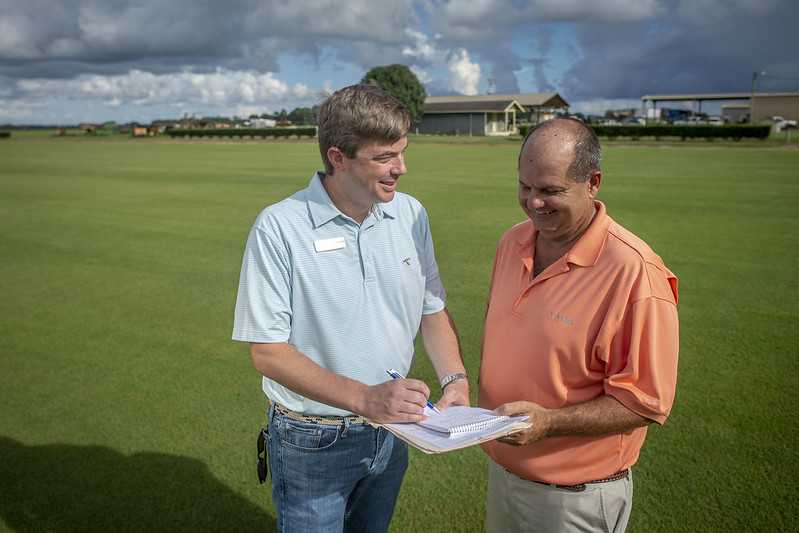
(329, 478)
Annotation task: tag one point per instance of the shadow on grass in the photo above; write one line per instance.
(60, 488)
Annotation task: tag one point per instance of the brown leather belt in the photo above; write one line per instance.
(325, 420)
(580, 487)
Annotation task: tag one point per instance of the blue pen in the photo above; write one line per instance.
(396, 375)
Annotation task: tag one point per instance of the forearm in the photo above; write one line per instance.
(396, 400)
(441, 342)
(284, 364)
(443, 347)
(602, 416)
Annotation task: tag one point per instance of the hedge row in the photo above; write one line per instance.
(735, 133)
(245, 132)
(5, 134)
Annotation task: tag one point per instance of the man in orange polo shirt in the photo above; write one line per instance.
(582, 335)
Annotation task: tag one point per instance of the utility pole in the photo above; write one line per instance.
(752, 99)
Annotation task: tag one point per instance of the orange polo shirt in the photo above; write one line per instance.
(601, 320)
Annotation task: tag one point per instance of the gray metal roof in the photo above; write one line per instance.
(711, 96)
(524, 99)
(474, 105)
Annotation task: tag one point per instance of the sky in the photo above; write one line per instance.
(63, 62)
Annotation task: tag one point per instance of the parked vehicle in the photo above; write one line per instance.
(782, 124)
(691, 121)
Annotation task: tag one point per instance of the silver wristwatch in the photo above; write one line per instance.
(452, 377)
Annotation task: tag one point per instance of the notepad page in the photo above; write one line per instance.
(457, 419)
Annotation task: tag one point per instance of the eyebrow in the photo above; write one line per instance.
(389, 153)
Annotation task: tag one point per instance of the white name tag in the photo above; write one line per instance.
(325, 245)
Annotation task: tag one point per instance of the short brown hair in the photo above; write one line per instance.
(357, 114)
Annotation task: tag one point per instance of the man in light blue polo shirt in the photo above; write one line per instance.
(336, 282)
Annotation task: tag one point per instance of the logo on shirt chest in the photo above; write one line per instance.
(561, 318)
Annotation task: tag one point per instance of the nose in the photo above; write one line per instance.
(399, 165)
(532, 201)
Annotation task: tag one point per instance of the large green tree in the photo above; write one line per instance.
(401, 83)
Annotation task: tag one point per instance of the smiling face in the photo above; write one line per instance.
(368, 178)
(560, 207)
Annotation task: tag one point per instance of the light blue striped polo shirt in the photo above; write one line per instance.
(349, 297)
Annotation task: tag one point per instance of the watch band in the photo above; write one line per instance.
(452, 377)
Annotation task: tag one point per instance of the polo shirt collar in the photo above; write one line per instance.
(322, 209)
(586, 250)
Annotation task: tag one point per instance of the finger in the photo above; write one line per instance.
(451, 398)
(414, 407)
(416, 386)
(410, 390)
(511, 409)
(517, 438)
(409, 402)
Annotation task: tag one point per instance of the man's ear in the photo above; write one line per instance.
(593, 183)
(336, 157)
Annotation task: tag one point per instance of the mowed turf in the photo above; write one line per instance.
(126, 406)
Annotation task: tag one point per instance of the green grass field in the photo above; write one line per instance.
(126, 406)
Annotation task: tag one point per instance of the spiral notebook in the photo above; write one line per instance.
(457, 427)
(459, 419)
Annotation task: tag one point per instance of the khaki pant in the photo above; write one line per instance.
(515, 504)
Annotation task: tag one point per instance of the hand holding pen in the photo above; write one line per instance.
(396, 375)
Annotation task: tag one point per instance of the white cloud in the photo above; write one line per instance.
(464, 75)
(20, 112)
(422, 50)
(421, 75)
(244, 111)
(328, 87)
(219, 89)
(301, 91)
(139, 93)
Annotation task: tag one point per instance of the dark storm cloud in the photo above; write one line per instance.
(110, 36)
(504, 64)
(239, 56)
(628, 48)
(39, 37)
(708, 52)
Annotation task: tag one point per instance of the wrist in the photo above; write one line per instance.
(452, 378)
